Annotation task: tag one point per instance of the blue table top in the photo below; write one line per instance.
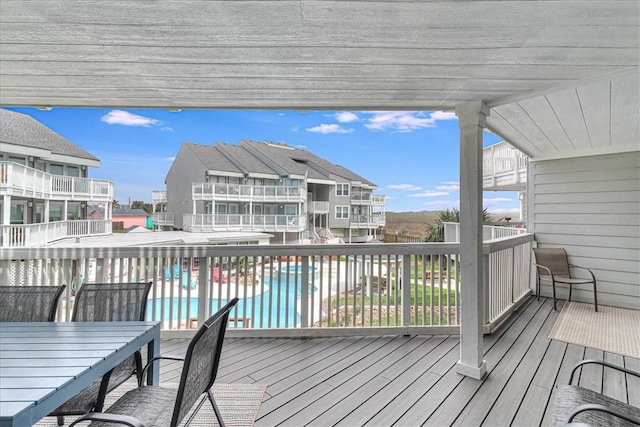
(44, 364)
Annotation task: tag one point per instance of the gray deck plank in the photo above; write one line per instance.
(515, 387)
(407, 381)
(531, 411)
(613, 382)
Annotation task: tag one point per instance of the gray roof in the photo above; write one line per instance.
(270, 158)
(21, 129)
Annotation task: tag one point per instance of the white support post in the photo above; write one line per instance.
(472, 120)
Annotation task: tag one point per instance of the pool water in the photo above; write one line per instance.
(277, 305)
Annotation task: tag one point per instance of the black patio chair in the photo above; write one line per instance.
(553, 265)
(106, 302)
(148, 406)
(575, 405)
(29, 303)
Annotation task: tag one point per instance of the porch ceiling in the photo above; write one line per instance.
(313, 54)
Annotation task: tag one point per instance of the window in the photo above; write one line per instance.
(342, 189)
(56, 169)
(290, 210)
(20, 160)
(342, 212)
(73, 171)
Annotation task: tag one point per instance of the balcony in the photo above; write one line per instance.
(504, 168)
(158, 197)
(22, 181)
(241, 222)
(248, 193)
(318, 207)
(29, 235)
(385, 354)
(367, 199)
(368, 221)
(163, 218)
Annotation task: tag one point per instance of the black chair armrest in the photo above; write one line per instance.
(603, 363)
(111, 418)
(594, 407)
(150, 362)
(593, 276)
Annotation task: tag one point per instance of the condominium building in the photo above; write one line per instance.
(44, 185)
(270, 187)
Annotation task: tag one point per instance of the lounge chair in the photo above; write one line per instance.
(29, 303)
(575, 404)
(163, 406)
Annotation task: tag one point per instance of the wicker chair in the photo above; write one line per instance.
(163, 406)
(29, 303)
(553, 265)
(99, 302)
(576, 405)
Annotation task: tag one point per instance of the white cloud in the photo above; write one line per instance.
(442, 204)
(404, 187)
(448, 186)
(406, 121)
(170, 159)
(496, 201)
(430, 193)
(120, 117)
(513, 212)
(346, 117)
(166, 129)
(332, 128)
(300, 146)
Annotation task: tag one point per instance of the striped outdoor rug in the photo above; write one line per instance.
(611, 329)
(239, 404)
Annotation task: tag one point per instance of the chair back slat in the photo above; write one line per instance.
(102, 302)
(555, 259)
(29, 303)
(201, 361)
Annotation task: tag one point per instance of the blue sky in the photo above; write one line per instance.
(413, 157)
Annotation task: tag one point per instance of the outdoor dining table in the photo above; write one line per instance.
(44, 364)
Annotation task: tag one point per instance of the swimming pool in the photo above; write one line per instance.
(275, 308)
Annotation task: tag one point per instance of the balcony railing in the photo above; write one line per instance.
(489, 232)
(504, 167)
(377, 288)
(29, 235)
(367, 199)
(368, 221)
(158, 196)
(23, 181)
(163, 218)
(249, 193)
(318, 207)
(242, 222)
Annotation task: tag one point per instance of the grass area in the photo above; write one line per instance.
(352, 313)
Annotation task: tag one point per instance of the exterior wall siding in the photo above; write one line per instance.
(186, 169)
(591, 207)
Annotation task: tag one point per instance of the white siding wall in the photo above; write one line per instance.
(591, 207)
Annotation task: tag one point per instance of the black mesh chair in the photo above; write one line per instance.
(106, 302)
(163, 406)
(29, 303)
(575, 405)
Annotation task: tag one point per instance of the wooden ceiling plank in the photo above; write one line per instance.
(595, 100)
(540, 111)
(625, 109)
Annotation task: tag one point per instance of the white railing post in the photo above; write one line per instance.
(304, 293)
(405, 283)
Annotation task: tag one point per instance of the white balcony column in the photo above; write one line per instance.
(193, 207)
(6, 209)
(46, 211)
(65, 210)
(472, 120)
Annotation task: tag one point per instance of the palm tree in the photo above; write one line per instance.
(435, 230)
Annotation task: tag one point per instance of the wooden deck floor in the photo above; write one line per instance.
(411, 380)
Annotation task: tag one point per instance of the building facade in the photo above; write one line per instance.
(267, 187)
(45, 188)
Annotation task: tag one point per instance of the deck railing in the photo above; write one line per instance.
(20, 180)
(504, 165)
(163, 218)
(241, 222)
(255, 193)
(290, 289)
(27, 235)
